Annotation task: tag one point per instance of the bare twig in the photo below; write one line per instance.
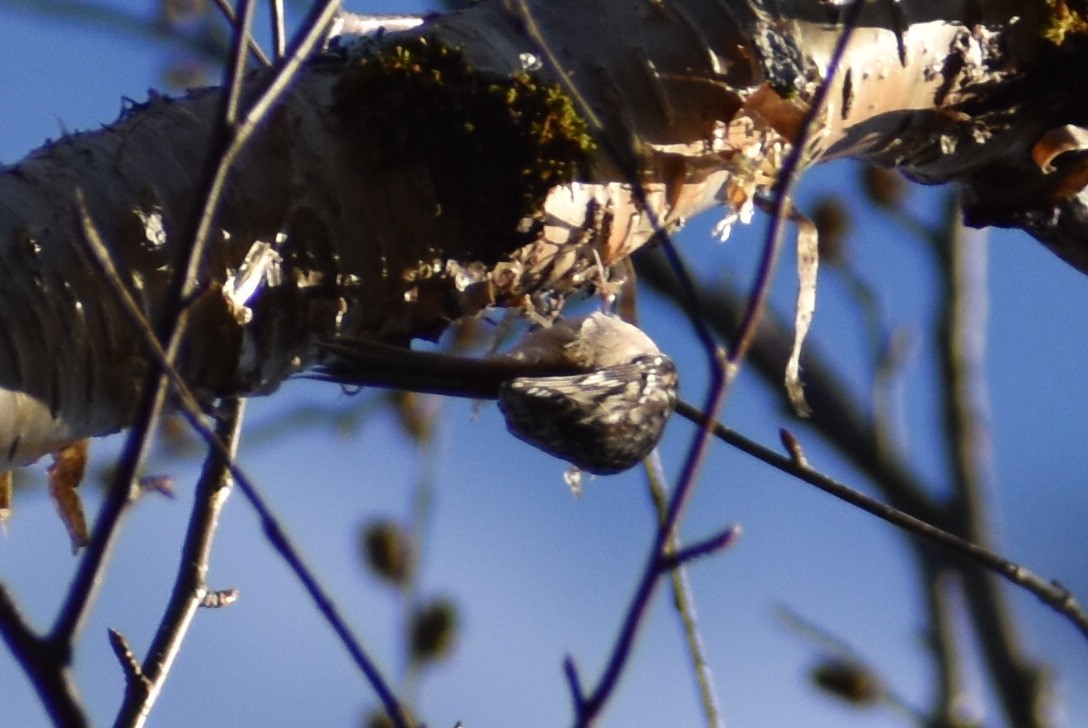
(942, 586)
(225, 148)
(251, 44)
(684, 599)
(837, 415)
(723, 373)
(1051, 593)
(279, 33)
(190, 409)
(129, 664)
(190, 588)
(588, 706)
(699, 549)
(47, 666)
(1021, 685)
(230, 144)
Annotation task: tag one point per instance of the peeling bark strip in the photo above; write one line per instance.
(428, 174)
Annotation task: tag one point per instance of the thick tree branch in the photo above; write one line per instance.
(334, 204)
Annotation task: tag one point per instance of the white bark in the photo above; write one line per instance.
(702, 97)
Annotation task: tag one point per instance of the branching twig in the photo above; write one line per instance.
(190, 409)
(684, 599)
(163, 373)
(251, 44)
(722, 376)
(699, 549)
(49, 670)
(129, 664)
(225, 148)
(1051, 593)
(190, 588)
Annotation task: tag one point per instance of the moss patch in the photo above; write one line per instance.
(494, 145)
(1066, 18)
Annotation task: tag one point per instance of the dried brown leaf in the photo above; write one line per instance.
(6, 497)
(65, 475)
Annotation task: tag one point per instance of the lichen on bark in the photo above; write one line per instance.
(493, 146)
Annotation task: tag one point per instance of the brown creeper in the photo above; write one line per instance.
(602, 422)
(605, 419)
(594, 391)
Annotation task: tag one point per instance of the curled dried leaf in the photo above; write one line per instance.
(1056, 142)
(65, 475)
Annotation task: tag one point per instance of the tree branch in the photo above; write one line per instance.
(1050, 593)
(1021, 685)
(684, 600)
(47, 667)
(144, 684)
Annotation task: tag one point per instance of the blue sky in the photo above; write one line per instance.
(537, 574)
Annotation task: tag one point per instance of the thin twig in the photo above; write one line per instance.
(1022, 686)
(237, 69)
(251, 43)
(279, 33)
(175, 325)
(211, 495)
(699, 549)
(1051, 593)
(48, 670)
(722, 373)
(588, 706)
(187, 283)
(191, 411)
(840, 418)
(941, 587)
(129, 664)
(588, 710)
(122, 492)
(684, 600)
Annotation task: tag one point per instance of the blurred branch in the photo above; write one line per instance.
(847, 675)
(92, 14)
(251, 44)
(940, 587)
(1021, 685)
(684, 600)
(47, 667)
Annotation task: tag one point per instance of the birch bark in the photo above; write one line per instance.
(382, 204)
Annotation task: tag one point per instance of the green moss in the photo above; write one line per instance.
(494, 145)
(1066, 18)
